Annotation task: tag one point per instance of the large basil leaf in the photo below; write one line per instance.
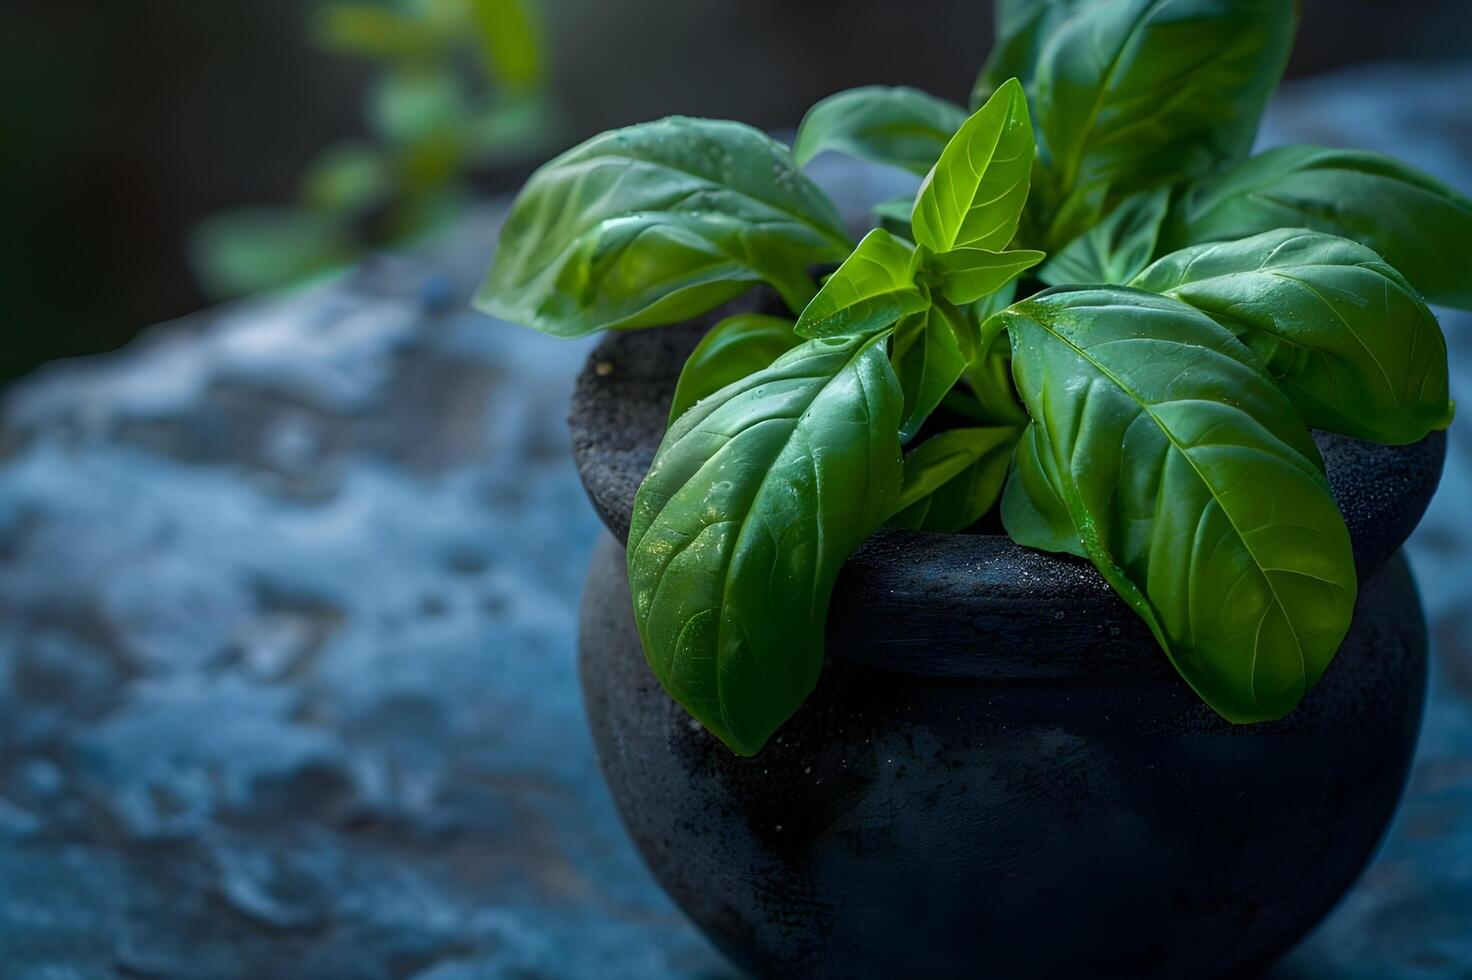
(1138, 93)
(1346, 337)
(1022, 28)
(873, 289)
(900, 126)
(655, 224)
(1114, 251)
(737, 346)
(953, 479)
(928, 361)
(974, 195)
(1416, 223)
(1194, 488)
(755, 498)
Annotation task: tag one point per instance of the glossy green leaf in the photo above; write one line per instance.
(953, 479)
(989, 364)
(1022, 27)
(1194, 486)
(658, 223)
(734, 348)
(974, 195)
(756, 497)
(966, 275)
(1420, 226)
(1114, 251)
(1033, 511)
(928, 361)
(1134, 94)
(1342, 332)
(900, 126)
(873, 289)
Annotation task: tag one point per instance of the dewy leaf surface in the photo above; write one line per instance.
(1133, 94)
(900, 126)
(1346, 337)
(737, 346)
(872, 290)
(1420, 226)
(1194, 488)
(975, 193)
(755, 498)
(657, 223)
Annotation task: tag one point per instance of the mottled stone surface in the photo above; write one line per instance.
(288, 596)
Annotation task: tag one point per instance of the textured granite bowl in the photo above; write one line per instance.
(999, 773)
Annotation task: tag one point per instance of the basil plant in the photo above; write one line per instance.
(1099, 317)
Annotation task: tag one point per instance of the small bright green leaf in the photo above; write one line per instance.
(1114, 251)
(734, 348)
(989, 363)
(511, 42)
(756, 497)
(928, 361)
(1134, 94)
(900, 126)
(873, 289)
(1346, 337)
(974, 195)
(953, 479)
(1195, 489)
(966, 275)
(1420, 226)
(655, 224)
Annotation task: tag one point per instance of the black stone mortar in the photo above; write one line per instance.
(999, 773)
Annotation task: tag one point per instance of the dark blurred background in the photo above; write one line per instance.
(125, 124)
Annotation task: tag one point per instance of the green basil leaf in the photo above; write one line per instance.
(1135, 94)
(1022, 27)
(658, 223)
(953, 479)
(1114, 251)
(900, 126)
(966, 275)
(756, 497)
(928, 361)
(1195, 489)
(975, 193)
(873, 289)
(989, 363)
(1033, 511)
(894, 216)
(737, 346)
(1419, 225)
(1342, 332)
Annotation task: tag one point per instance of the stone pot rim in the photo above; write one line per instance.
(960, 605)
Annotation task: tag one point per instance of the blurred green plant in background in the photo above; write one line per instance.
(460, 89)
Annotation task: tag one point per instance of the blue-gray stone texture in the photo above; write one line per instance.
(288, 595)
